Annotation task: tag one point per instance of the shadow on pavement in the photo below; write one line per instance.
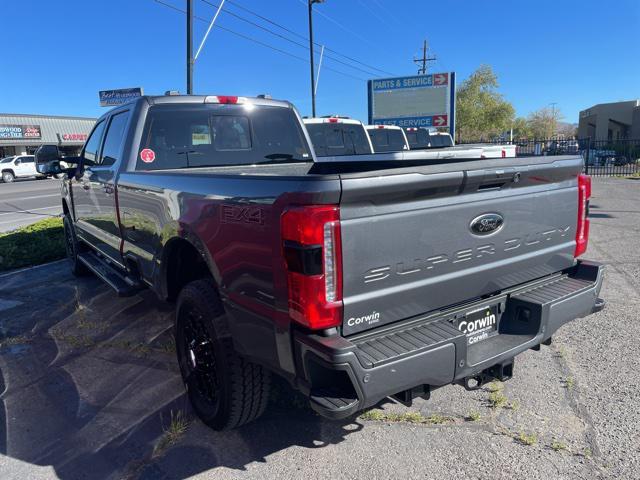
(89, 385)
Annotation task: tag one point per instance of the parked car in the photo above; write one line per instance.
(18, 166)
(387, 138)
(337, 136)
(354, 281)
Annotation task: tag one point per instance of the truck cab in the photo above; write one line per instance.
(387, 138)
(338, 136)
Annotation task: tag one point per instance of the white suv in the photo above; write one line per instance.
(18, 166)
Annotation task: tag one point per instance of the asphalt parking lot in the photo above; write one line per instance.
(26, 201)
(90, 386)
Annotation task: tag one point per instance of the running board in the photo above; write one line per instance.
(124, 285)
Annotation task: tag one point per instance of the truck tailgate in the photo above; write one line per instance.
(416, 242)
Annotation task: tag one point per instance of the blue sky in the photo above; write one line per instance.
(57, 55)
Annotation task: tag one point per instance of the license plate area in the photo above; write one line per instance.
(480, 323)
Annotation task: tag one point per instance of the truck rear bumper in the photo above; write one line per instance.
(345, 375)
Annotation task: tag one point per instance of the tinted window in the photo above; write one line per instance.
(28, 159)
(330, 139)
(92, 145)
(387, 140)
(417, 138)
(113, 139)
(441, 141)
(180, 136)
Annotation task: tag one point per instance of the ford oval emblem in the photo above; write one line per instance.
(486, 224)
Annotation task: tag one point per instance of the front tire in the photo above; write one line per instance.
(8, 177)
(225, 390)
(73, 248)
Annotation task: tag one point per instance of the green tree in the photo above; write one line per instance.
(521, 129)
(481, 112)
(543, 123)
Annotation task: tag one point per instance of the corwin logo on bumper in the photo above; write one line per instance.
(370, 319)
(489, 320)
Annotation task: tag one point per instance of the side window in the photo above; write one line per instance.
(113, 139)
(27, 159)
(93, 144)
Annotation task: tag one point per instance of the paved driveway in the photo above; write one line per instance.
(90, 388)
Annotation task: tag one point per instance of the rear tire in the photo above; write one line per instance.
(73, 248)
(8, 177)
(225, 389)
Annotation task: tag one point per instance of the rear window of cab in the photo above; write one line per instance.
(183, 136)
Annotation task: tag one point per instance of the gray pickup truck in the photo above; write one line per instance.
(354, 281)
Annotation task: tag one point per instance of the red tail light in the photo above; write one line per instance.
(333, 120)
(313, 254)
(582, 231)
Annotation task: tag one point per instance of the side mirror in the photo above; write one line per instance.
(47, 159)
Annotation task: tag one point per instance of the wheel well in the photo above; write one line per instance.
(9, 170)
(184, 265)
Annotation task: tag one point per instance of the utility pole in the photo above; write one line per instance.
(424, 60)
(313, 87)
(189, 47)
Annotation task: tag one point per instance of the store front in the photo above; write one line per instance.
(23, 134)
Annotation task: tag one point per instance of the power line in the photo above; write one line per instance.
(283, 37)
(292, 32)
(251, 39)
(348, 30)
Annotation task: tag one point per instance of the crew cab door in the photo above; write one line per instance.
(23, 168)
(94, 189)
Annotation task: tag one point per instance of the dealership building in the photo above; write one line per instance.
(22, 134)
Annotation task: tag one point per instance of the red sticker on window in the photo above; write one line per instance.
(147, 155)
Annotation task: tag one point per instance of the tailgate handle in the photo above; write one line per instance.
(498, 180)
(492, 184)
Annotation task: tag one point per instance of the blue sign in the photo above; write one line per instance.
(413, 101)
(110, 98)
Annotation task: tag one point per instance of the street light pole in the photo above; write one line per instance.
(313, 87)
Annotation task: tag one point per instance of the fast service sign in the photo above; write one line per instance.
(415, 101)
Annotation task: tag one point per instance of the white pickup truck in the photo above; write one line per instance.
(18, 166)
(421, 139)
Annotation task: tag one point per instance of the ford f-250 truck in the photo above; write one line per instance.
(355, 281)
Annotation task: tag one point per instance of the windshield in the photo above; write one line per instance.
(417, 138)
(6, 159)
(330, 139)
(386, 139)
(182, 136)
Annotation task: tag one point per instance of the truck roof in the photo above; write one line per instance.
(194, 99)
(390, 127)
(317, 120)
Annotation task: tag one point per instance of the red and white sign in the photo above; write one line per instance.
(77, 137)
(440, 120)
(441, 79)
(147, 155)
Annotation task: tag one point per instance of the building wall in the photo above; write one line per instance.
(615, 118)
